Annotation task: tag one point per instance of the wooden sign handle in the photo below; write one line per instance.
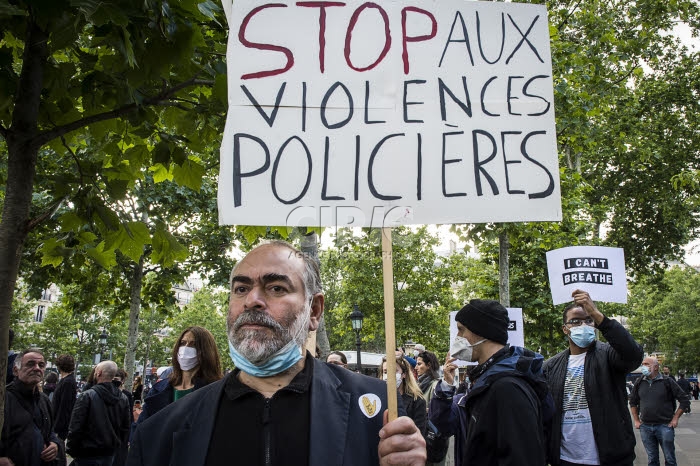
(389, 322)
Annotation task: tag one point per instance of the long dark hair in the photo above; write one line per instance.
(431, 361)
(209, 367)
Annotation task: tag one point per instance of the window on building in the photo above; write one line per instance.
(40, 313)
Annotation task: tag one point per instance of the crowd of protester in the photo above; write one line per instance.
(509, 406)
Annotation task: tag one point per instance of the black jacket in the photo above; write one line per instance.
(160, 396)
(504, 415)
(656, 401)
(63, 401)
(28, 426)
(684, 384)
(500, 421)
(100, 422)
(416, 409)
(340, 434)
(604, 375)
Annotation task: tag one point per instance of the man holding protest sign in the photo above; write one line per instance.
(592, 424)
(279, 407)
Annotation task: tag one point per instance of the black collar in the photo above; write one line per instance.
(495, 357)
(301, 382)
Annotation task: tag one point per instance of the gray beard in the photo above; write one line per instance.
(256, 346)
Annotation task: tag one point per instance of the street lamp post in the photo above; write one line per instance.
(103, 341)
(356, 320)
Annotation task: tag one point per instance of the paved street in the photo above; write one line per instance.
(687, 440)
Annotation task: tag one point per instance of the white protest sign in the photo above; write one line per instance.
(516, 336)
(596, 269)
(376, 115)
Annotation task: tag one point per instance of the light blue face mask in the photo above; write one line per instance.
(582, 336)
(282, 360)
(645, 371)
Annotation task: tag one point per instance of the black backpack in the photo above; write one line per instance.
(544, 396)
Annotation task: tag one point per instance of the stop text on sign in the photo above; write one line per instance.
(443, 112)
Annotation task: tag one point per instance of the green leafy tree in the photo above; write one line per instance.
(207, 309)
(81, 71)
(68, 331)
(665, 317)
(626, 107)
(424, 291)
(22, 319)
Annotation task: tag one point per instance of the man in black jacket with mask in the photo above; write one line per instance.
(100, 421)
(592, 424)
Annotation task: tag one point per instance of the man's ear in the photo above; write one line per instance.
(14, 370)
(317, 303)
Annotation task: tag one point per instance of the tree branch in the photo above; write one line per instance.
(153, 268)
(624, 77)
(46, 136)
(176, 105)
(3, 131)
(565, 21)
(75, 159)
(33, 223)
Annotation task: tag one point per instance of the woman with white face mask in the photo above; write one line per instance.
(196, 363)
(410, 392)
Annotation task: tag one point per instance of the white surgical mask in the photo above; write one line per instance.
(582, 336)
(398, 379)
(461, 349)
(187, 357)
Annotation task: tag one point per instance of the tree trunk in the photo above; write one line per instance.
(134, 310)
(21, 168)
(148, 344)
(503, 268)
(309, 245)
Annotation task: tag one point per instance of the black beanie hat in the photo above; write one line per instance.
(486, 318)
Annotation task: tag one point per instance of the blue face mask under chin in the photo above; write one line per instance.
(582, 336)
(282, 360)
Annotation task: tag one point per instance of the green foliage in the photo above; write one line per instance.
(207, 309)
(423, 288)
(665, 317)
(627, 117)
(22, 319)
(65, 331)
(127, 105)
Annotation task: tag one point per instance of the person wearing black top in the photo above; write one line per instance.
(27, 434)
(278, 407)
(65, 395)
(653, 407)
(100, 422)
(196, 363)
(138, 388)
(409, 391)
